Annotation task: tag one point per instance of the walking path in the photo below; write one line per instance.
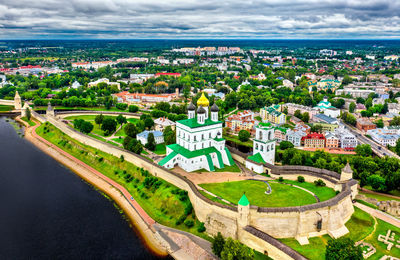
(379, 214)
(178, 250)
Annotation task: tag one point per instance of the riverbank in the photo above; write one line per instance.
(142, 222)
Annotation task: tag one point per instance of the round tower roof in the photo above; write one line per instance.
(214, 108)
(191, 106)
(203, 101)
(201, 110)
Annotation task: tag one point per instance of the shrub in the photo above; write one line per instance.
(280, 179)
(188, 209)
(133, 108)
(189, 223)
(180, 220)
(122, 158)
(319, 183)
(300, 179)
(121, 106)
(218, 244)
(201, 228)
(100, 159)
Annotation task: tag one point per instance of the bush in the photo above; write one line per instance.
(189, 223)
(133, 108)
(121, 106)
(342, 248)
(300, 179)
(201, 228)
(180, 220)
(244, 135)
(280, 179)
(188, 209)
(218, 244)
(319, 183)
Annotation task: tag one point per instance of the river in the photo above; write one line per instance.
(47, 212)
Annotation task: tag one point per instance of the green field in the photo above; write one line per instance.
(281, 196)
(160, 149)
(96, 128)
(360, 226)
(323, 193)
(165, 204)
(30, 122)
(4, 108)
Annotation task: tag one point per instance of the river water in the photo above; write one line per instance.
(47, 212)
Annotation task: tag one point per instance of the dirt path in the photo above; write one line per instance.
(379, 214)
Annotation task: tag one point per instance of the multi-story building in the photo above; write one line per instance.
(325, 119)
(295, 137)
(347, 140)
(313, 140)
(104, 80)
(199, 142)
(242, 121)
(273, 114)
(293, 107)
(326, 107)
(280, 134)
(383, 136)
(327, 127)
(126, 97)
(331, 140)
(143, 137)
(364, 124)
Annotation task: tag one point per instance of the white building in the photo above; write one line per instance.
(347, 140)
(199, 142)
(75, 85)
(143, 136)
(383, 136)
(295, 137)
(104, 80)
(162, 123)
(263, 148)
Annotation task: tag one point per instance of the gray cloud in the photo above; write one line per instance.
(199, 18)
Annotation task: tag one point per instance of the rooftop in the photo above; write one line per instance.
(192, 122)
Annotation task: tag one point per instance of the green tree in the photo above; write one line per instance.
(297, 113)
(306, 117)
(109, 126)
(121, 119)
(234, 250)
(285, 145)
(99, 119)
(86, 127)
(28, 113)
(133, 108)
(364, 150)
(377, 182)
(352, 107)
(130, 130)
(297, 159)
(218, 244)
(397, 147)
(395, 121)
(244, 135)
(148, 123)
(151, 142)
(342, 248)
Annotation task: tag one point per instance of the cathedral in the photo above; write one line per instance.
(199, 142)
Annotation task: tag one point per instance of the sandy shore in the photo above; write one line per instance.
(142, 224)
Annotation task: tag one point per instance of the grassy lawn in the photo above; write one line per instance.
(323, 193)
(281, 196)
(4, 108)
(118, 140)
(361, 226)
(160, 149)
(367, 204)
(96, 128)
(164, 202)
(235, 139)
(377, 196)
(30, 122)
(205, 194)
(227, 168)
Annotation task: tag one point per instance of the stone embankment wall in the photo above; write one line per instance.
(64, 114)
(277, 222)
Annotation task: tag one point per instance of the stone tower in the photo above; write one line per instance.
(50, 110)
(244, 211)
(347, 173)
(17, 101)
(23, 110)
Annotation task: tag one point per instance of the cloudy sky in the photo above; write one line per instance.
(199, 19)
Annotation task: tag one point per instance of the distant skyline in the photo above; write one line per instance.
(273, 19)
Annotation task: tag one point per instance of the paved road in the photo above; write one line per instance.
(380, 150)
(379, 214)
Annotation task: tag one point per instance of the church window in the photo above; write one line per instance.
(195, 147)
(269, 135)
(209, 135)
(260, 135)
(195, 138)
(202, 145)
(261, 148)
(256, 146)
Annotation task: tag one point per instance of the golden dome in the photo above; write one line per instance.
(203, 101)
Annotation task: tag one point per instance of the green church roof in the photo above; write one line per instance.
(257, 158)
(192, 122)
(244, 201)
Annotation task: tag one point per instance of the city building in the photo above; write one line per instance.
(347, 140)
(199, 142)
(295, 137)
(273, 114)
(313, 140)
(327, 127)
(293, 107)
(325, 119)
(364, 124)
(326, 84)
(280, 134)
(263, 148)
(383, 136)
(242, 121)
(331, 140)
(162, 123)
(104, 80)
(129, 98)
(326, 107)
(143, 137)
